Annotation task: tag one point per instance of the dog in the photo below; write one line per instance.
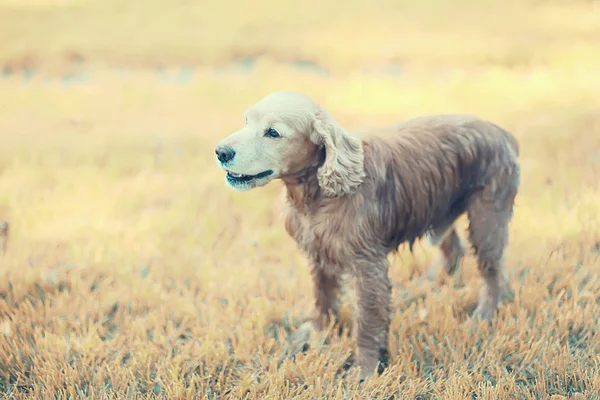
(352, 198)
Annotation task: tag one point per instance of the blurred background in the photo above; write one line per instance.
(130, 269)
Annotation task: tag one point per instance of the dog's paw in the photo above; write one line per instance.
(361, 371)
(484, 312)
(299, 341)
(354, 374)
(304, 333)
(359, 375)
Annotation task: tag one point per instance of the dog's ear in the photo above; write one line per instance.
(343, 169)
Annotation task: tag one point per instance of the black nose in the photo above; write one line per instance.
(225, 154)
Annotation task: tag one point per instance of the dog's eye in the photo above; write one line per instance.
(272, 133)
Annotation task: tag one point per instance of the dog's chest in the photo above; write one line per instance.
(324, 237)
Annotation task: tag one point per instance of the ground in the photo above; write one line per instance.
(132, 271)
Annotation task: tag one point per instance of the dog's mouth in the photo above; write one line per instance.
(241, 178)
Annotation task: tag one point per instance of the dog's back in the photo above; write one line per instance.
(444, 124)
(432, 166)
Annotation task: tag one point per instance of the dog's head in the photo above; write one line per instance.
(283, 136)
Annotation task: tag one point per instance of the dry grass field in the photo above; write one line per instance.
(132, 271)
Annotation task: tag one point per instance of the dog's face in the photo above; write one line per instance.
(275, 142)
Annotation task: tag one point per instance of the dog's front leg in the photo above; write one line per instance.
(325, 287)
(325, 290)
(373, 317)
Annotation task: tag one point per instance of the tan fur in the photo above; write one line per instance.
(351, 200)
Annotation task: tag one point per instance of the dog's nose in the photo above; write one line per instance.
(224, 153)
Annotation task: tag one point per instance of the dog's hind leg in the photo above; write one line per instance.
(490, 212)
(452, 251)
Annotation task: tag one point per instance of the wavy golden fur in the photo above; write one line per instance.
(354, 198)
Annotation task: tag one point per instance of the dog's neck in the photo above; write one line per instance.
(302, 192)
(303, 186)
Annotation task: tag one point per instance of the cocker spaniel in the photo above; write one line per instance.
(352, 200)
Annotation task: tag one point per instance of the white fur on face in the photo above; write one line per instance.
(259, 154)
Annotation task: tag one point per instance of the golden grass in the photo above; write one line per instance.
(133, 272)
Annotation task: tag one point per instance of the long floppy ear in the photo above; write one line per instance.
(343, 169)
